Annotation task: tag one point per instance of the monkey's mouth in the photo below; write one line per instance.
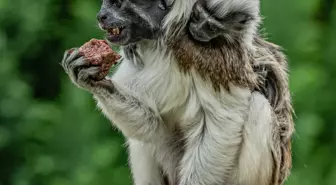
(115, 31)
(117, 35)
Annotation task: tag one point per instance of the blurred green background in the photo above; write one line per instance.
(52, 134)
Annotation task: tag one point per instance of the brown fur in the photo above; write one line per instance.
(215, 61)
(264, 70)
(275, 87)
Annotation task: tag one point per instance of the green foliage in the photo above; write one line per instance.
(52, 134)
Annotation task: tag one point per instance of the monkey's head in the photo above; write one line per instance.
(130, 21)
(231, 19)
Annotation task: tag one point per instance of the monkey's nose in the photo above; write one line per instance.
(197, 33)
(101, 17)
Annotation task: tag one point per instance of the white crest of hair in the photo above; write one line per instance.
(179, 14)
(252, 7)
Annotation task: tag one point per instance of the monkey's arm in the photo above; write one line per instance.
(134, 115)
(132, 112)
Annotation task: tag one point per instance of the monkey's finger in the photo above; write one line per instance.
(75, 66)
(70, 56)
(86, 75)
(67, 54)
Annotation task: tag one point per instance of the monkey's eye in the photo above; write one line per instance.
(243, 21)
(212, 27)
(116, 3)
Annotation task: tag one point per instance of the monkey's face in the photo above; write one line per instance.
(129, 21)
(205, 24)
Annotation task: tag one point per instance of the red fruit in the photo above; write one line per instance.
(99, 53)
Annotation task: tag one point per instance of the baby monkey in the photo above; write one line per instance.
(211, 19)
(218, 27)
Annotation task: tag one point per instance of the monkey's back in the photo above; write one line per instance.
(271, 64)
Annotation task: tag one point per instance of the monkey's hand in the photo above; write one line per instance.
(83, 74)
(133, 113)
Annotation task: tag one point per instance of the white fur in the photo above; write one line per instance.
(223, 7)
(255, 160)
(144, 169)
(180, 13)
(226, 6)
(217, 127)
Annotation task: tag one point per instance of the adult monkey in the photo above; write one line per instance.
(184, 128)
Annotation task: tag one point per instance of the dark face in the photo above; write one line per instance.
(129, 21)
(204, 26)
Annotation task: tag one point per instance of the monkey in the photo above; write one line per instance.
(186, 123)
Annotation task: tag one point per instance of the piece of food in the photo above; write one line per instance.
(99, 53)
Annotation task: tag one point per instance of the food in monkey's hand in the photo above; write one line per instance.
(98, 53)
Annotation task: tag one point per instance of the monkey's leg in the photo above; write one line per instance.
(214, 140)
(222, 153)
(145, 170)
(256, 163)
